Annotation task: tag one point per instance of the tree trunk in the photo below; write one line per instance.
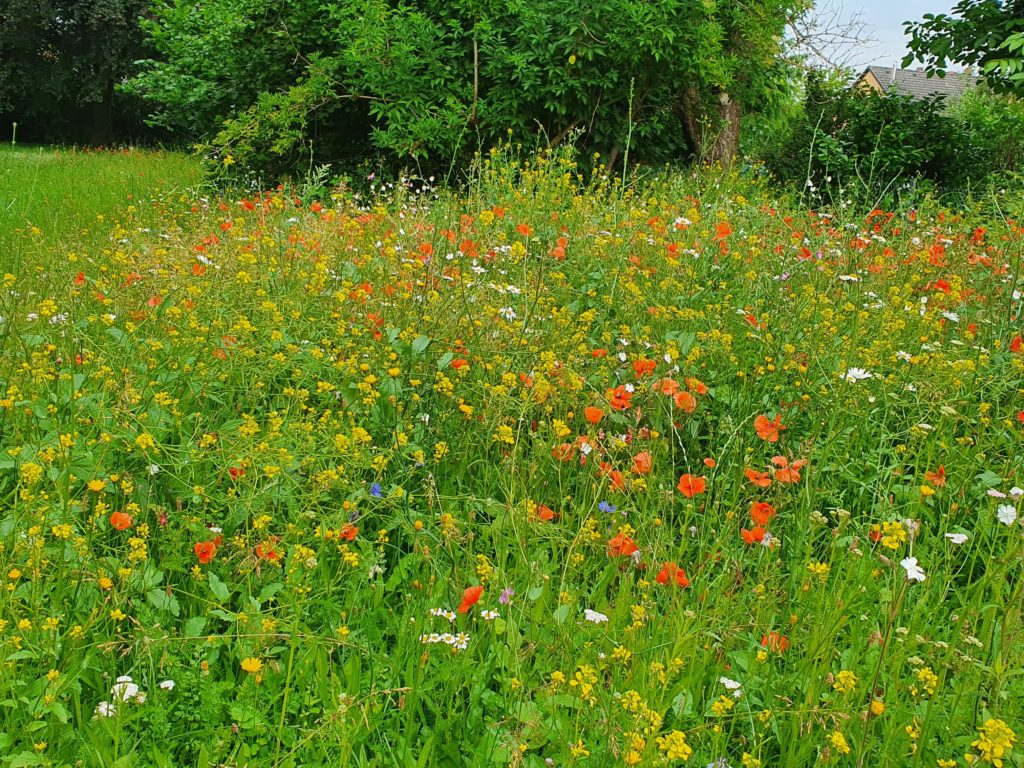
(690, 111)
(101, 126)
(726, 145)
(713, 131)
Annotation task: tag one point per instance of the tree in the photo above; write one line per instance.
(433, 80)
(60, 61)
(985, 33)
(828, 36)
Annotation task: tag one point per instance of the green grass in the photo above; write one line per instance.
(265, 448)
(60, 198)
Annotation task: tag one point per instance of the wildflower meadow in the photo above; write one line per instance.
(548, 468)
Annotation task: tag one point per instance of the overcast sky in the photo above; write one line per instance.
(884, 20)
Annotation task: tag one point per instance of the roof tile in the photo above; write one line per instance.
(916, 83)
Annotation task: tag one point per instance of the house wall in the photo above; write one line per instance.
(868, 81)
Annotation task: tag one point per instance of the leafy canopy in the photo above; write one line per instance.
(985, 33)
(270, 83)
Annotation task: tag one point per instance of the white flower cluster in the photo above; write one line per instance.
(458, 642)
(734, 686)
(442, 613)
(124, 691)
(1007, 513)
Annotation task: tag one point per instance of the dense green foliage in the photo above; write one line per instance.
(59, 63)
(986, 33)
(870, 149)
(433, 81)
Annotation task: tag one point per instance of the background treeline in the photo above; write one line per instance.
(846, 145)
(275, 88)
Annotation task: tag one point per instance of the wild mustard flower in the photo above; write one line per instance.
(674, 746)
(994, 743)
(845, 681)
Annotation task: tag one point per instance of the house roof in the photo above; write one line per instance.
(916, 83)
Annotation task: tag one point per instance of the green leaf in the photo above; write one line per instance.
(419, 344)
(195, 627)
(163, 601)
(59, 711)
(989, 479)
(269, 591)
(23, 759)
(219, 588)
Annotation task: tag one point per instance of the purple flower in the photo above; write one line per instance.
(604, 506)
(506, 596)
(375, 490)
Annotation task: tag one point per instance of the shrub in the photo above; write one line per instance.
(854, 146)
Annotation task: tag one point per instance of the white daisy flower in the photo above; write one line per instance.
(857, 374)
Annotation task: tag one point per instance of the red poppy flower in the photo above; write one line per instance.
(119, 521)
(469, 598)
(621, 546)
(644, 367)
(205, 551)
(544, 513)
(642, 463)
(761, 513)
(755, 536)
(620, 398)
(592, 414)
(348, 532)
(773, 641)
(615, 475)
(760, 479)
(684, 401)
(265, 551)
(1017, 344)
(563, 452)
(696, 385)
(666, 386)
(692, 485)
(672, 573)
(786, 472)
(936, 478)
(768, 430)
